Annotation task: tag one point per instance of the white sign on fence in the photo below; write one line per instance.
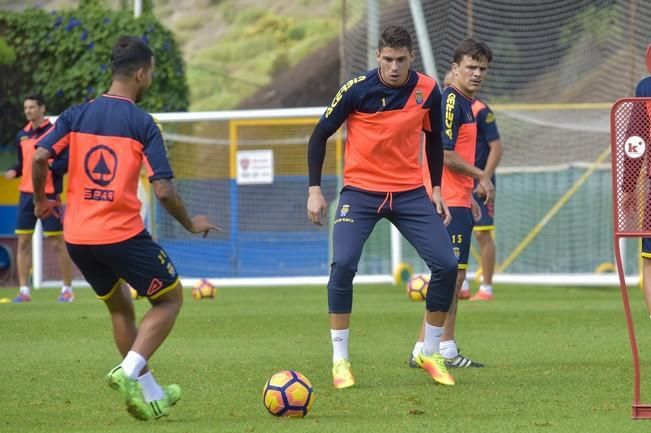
(255, 167)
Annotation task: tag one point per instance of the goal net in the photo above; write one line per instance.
(557, 68)
(248, 172)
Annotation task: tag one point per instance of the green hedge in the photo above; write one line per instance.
(65, 56)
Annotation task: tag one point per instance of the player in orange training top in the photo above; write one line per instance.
(109, 139)
(37, 126)
(385, 110)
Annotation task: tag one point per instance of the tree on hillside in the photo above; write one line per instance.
(65, 57)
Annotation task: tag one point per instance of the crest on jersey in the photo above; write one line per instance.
(419, 96)
(344, 210)
(634, 147)
(100, 165)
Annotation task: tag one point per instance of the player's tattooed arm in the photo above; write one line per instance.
(42, 206)
(39, 173)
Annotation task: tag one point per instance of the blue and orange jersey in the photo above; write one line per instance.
(486, 131)
(108, 139)
(460, 135)
(384, 129)
(25, 146)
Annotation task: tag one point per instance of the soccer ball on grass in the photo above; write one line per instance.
(204, 290)
(288, 393)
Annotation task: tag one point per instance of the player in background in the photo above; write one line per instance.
(109, 139)
(459, 135)
(642, 90)
(488, 153)
(385, 111)
(37, 126)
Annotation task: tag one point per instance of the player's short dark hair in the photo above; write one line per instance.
(130, 54)
(395, 37)
(474, 49)
(40, 101)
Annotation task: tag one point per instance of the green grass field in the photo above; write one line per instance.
(558, 361)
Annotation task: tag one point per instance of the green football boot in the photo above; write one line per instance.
(130, 390)
(161, 408)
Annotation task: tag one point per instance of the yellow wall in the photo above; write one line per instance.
(8, 191)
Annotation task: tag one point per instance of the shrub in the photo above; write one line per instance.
(65, 56)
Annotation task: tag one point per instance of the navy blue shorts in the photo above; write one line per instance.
(486, 222)
(139, 261)
(460, 230)
(646, 248)
(415, 217)
(26, 220)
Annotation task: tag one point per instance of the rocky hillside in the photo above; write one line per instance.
(235, 48)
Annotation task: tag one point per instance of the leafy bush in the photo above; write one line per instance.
(7, 54)
(66, 57)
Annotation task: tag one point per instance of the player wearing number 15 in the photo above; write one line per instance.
(109, 139)
(386, 111)
(469, 68)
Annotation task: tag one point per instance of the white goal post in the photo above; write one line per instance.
(212, 137)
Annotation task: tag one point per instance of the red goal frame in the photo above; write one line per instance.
(630, 126)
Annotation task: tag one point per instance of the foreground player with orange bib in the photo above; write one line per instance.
(109, 139)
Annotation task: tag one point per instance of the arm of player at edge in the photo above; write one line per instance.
(494, 157)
